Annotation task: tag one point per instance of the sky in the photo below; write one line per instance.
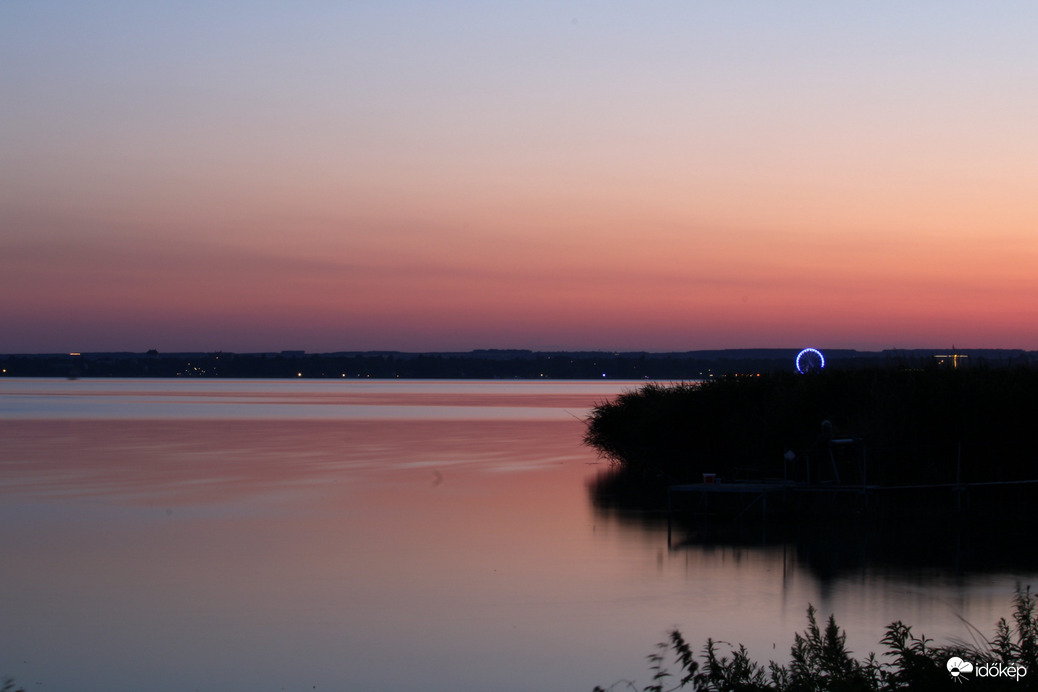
(423, 176)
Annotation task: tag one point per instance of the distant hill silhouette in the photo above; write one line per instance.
(478, 364)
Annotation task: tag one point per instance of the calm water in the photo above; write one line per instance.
(346, 535)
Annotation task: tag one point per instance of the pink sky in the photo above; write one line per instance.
(506, 176)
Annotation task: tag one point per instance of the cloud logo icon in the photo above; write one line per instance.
(956, 666)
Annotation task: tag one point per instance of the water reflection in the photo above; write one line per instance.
(300, 400)
(225, 461)
(892, 535)
(379, 551)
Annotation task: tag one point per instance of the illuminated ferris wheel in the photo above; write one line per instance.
(810, 360)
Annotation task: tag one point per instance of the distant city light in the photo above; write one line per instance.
(953, 356)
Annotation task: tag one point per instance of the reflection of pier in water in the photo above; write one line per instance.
(837, 470)
(759, 492)
(956, 526)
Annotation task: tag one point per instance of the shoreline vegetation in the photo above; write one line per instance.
(820, 661)
(888, 444)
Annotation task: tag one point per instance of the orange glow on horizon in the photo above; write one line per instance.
(375, 199)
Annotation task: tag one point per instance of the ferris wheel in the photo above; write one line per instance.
(810, 360)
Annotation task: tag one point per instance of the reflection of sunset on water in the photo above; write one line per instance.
(170, 553)
(212, 462)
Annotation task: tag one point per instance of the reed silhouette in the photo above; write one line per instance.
(821, 662)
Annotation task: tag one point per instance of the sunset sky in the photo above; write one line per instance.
(417, 176)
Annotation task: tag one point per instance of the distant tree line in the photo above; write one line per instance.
(485, 364)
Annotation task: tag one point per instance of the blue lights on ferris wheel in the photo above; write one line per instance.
(810, 360)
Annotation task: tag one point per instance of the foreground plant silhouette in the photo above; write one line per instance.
(820, 661)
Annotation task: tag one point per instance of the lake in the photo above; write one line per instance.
(252, 535)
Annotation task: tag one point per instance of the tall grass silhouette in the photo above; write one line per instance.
(821, 662)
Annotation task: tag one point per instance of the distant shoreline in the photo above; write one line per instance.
(479, 364)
